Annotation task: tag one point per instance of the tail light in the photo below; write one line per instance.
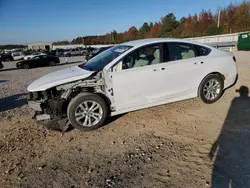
(234, 59)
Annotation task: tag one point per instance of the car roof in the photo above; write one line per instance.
(141, 42)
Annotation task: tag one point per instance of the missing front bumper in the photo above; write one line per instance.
(43, 117)
(36, 106)
(50, 122)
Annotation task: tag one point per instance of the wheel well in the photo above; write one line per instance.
(91, 90)
(219, 74)
(212, 73)
(105, 98)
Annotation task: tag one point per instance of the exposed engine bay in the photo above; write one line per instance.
(51, 104)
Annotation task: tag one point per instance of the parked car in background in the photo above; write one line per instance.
(74, 52)
(38, 61)
(132, 76)
(17, 55)
(52, 52)
(33, 55)
(1, 64)
(57, 52)
(6, 57)
(95, 52)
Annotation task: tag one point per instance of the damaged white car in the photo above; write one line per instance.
(131, 76)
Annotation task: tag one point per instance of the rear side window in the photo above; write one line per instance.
(202, 51)
(178, 51)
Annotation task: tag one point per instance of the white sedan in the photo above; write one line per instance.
(33, 55)
(17, 55)
(132, 76)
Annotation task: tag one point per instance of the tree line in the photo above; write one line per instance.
(12, 46)
(230, 19)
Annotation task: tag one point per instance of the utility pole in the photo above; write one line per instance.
(218, 23)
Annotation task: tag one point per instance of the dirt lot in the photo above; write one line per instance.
(186, 144)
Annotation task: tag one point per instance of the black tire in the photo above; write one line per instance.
(84, 54)
(26, 66)
(68, 55)
(8, 59)
(202, 94)
(80, 98)
(1, 65)
(52, 63)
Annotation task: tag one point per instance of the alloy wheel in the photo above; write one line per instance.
(88, 113)
(212, 89)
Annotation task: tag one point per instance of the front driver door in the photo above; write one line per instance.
(136, 78)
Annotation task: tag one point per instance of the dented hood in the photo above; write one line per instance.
(59, 77)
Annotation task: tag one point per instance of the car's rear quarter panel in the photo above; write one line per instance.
(223, 63)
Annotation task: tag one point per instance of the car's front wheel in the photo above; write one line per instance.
(211, 88)
(87, 111)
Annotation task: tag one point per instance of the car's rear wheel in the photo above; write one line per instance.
(26, 66)
(52, 63)
(211, 88)
(68, 55)
(8, 59)
(87, 111)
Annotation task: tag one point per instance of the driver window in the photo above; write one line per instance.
(144, 56)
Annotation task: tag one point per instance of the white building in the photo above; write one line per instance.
(40, 46)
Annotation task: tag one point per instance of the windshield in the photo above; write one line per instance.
(98, 62)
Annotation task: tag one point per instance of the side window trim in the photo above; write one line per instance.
(198, 48)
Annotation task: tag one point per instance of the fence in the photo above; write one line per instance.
(227, 40)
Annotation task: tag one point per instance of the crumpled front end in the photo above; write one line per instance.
(50, 106)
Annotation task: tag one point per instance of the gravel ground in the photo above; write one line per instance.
(13, 83)
(185, 144)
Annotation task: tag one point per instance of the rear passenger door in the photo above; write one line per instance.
(184, 66)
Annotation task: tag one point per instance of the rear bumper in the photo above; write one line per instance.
(231, 81)
(236, 80)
